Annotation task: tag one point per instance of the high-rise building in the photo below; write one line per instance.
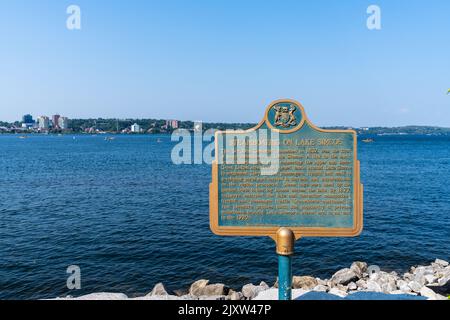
(27, 119)
(55, 120)
(43, 123)
(63, 123)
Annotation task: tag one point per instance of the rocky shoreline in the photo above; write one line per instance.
(431, 282)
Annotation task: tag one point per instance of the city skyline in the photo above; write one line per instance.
(226, 63)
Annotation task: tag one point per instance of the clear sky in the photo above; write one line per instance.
(225, 60)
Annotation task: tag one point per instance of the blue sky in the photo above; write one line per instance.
(225, 60)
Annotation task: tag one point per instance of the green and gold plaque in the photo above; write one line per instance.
(286, 172)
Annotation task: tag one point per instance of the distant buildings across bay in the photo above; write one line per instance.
(62, 124)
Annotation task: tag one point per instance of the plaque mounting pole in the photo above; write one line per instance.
(285, 240)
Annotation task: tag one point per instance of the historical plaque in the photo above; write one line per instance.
(286, 172)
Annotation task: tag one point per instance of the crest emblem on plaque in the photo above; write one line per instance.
(285, 116)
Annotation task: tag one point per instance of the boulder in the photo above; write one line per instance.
(403, 286)
(234, 296)
(429, 279)
(217, 289)
(408, 276)
(415, 286)
(359, 268)
(444, 280)
(373, 286)
(362, 284)
(321, 282)
(386, 281)
(352, 286)
(158, 290)
(202, 288)
(320, 288)
(344, 277)
(427, 292)
(442, 263)
(250, 291)
(197, 287)
(304, 282)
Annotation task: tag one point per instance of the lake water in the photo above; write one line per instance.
(130, 218)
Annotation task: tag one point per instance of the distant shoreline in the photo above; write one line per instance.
(364, 131)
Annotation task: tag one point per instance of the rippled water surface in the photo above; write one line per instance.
(130, 218)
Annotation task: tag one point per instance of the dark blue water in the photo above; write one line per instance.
(130, 218)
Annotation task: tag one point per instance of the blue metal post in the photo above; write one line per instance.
(284, 277)
(285, 240)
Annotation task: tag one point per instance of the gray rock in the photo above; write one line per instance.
(264, 285)
(408, 276)
(250, 291)
(217, 289)
(442, 263)
(234, 296)
(352, 286)
(444, 280)
(304, 282)
(386, 281)
(430, 294)
(158, 290)
(341, 287)
(415, 286)
(202, 288)
(362, 284)
(373, 286)
(344, 277)
(320, 288)
(359, 268)
(403, 286)
(321, 282)
(430, 279)
(197, 287)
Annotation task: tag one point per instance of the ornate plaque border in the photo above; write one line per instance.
(298, 231)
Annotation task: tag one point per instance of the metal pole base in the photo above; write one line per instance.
(284, 277)
(285, 250)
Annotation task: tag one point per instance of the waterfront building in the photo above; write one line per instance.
(135, 128)
(174, 124)
(43, 123)
(63, 123)
(171, 124)
(55, 121)
(28, 119)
